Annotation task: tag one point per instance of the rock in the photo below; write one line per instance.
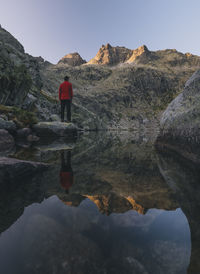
(139, 52)
(32, 138)
(54, 118)
(72, 59)
(29, 101)
(4, 117)
(108, 55)
(13, 170)
(23, 133)
(7, 142)
(7, 125)
(55, 129)
(180, 123)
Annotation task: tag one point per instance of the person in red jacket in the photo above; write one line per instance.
(65, 97)
(66, 172)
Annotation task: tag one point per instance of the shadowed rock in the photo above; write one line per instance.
(55, 129)
(12, 169)
(7, 142)
(180, 123)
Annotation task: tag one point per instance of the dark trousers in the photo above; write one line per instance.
(67, 104)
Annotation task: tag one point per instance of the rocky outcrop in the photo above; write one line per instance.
(72, 59)
(180, 121)
(141, 52)
(55, 129)
(13, 170)
(19, 72)
(108, 55)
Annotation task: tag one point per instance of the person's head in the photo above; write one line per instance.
(66, 78)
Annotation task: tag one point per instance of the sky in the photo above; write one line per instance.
(54, 28)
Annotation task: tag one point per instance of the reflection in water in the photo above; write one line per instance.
(66, 172)
(183, 177)
(123, 216)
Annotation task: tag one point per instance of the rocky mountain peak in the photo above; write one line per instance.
(72, 59)
(142, 50)
(108, 55)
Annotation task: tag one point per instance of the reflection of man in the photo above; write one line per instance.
(66, 172)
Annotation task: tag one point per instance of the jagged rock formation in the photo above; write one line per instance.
(130, 95)
(180, 121)
(72, 59)
(108, 55)
(141, 52)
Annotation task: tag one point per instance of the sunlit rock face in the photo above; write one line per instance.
(108, 55)
(141, 51)
(122, 88)
(183, 178)
(72, 59)
(180, 121)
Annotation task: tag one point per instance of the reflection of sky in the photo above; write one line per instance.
(54, 28)
(163, 236)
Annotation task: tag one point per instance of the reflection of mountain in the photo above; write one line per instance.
(183, 177)
(117, 175)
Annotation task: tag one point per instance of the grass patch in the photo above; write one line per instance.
(49, 97)
(22, 117)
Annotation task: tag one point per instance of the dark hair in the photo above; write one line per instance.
(66, 78)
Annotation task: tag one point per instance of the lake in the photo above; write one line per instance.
(108, 203)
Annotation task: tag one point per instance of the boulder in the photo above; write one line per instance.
(14, 170)
(180, 123)
(7, 142)
(55, 129)
(7, 125)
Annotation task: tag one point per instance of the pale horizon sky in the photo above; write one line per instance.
(52, 29)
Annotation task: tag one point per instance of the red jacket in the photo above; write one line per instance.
(65, 91)
(66, 179)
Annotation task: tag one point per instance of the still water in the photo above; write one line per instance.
(106, 204)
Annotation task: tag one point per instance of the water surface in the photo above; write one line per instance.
(109, 203)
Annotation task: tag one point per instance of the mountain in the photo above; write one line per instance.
(119, 88)
(72, 59)
(108, 55)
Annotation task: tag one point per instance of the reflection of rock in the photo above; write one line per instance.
(110, 203)
(183, 177)
(55, 129)
(16, 194)
(53, 248)
(12, 169)
(72, 199)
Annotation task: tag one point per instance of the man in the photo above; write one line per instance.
(65, 97)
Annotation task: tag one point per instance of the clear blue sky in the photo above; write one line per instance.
(53, 28)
